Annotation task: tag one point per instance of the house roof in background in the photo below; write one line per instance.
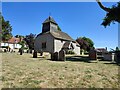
(101, 50)
(14, 40)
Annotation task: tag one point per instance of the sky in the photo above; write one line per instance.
(77, 19)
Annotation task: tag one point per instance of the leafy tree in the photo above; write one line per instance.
(22, 43)
(113, 14)
(20, 36)
(117, 49)
(89, 41)
(59, 28)
(85, 43)
(30, 40)
(6, 30)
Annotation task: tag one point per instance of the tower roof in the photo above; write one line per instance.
(50, 19)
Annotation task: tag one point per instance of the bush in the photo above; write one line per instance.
(70, 52)
(4, 46)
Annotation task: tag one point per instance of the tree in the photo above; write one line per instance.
(22, 43)
(30, 40)
(85, 43)
(59, 28)
(117, 49)
(6, 30)
(20, 36)
(113, 14)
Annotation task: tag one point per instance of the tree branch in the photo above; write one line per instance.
(103, 7)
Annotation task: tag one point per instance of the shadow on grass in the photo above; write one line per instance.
(113, 63)
(79, 59)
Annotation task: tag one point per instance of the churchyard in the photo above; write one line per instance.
(24, 71)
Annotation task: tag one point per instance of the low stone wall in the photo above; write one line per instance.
(109, 56)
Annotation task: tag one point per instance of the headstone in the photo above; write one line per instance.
(5, 50)
(9, 49)
(62, 55)
(93, 54)
(54, 56)
(117, 56)
(27, 51)
(21, 51)
(113, 56)
(35, 54)
(31, 51)
(41, 53)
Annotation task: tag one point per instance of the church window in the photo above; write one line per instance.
(43, 45)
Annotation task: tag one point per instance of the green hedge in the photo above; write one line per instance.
(70, 52)
(4, 46)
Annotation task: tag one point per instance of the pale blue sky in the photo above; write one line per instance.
(76, 19)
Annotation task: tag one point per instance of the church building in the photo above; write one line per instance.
(52, 40)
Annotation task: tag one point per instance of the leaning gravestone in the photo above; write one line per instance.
(35, 54)
(93, 54)
(62, 55)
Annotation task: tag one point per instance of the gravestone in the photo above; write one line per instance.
(5, 50)
(93, 54)
(54, 56)
(62, 55)
(31, 51)
(21, 51)
(113, 56)
(35, 54)
(117, 56)
(41, 53)
(27, 51)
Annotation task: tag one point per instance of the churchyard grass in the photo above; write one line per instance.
(23, 71)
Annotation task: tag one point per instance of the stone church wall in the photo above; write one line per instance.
(49, 43)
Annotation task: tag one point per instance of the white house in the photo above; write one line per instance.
(53, 40)
(12, 43)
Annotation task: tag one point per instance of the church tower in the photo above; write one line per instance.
(49, 25)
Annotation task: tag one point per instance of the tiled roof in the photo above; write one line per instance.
(101, 50)
(61, 35)
(58, 35)
(14, 40)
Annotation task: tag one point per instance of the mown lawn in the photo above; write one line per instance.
(27, 72)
